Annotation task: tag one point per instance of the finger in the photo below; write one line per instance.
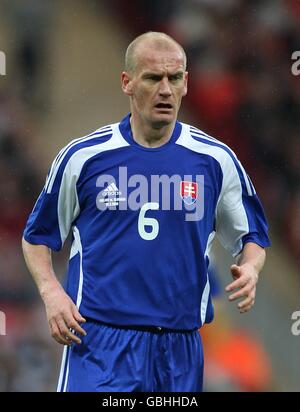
(69, 335)
(246, 302)
(239, 283)
(55, 333)
(246, 309)
(63, 341)
(66, 333)
(73, 324)
(235, 271)
(77, 315)
(245, 291)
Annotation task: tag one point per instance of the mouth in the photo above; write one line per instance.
(164, 106)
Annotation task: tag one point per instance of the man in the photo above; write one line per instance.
(144, 199)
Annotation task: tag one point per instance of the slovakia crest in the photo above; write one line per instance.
(188, 192)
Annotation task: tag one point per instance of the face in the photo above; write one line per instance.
(157, 84)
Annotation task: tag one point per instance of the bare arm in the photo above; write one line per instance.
(249, 264)
(62, 313)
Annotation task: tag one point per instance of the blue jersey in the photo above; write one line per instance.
(143, 221)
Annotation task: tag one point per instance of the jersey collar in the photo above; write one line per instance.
(125, 129)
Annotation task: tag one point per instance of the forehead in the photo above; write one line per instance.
(158, 58)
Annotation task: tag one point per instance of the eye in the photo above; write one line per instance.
(153, 77)
(176, 77)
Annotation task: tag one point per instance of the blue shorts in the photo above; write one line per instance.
(112, 359)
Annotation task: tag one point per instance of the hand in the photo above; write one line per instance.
(244, 284)
(63, 316)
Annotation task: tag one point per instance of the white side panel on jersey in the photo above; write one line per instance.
(209, 244)
(78, 246)
(206, 291)
(67, 206)
(231, 218)
(204, 300)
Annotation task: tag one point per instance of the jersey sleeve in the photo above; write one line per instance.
(240, 217)
(56, 208)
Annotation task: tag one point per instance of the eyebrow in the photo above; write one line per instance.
(159, 74)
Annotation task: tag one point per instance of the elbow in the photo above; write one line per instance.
(24, 244)
(264, 254)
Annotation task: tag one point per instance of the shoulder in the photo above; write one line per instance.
(232, 169)
(71, 157)
(199, 141)
(104, 138)
(98, 136)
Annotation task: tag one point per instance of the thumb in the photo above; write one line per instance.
(235, 271)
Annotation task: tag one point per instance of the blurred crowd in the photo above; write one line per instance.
(27, 358)
(241, 87)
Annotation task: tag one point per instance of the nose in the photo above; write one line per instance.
(165, 90)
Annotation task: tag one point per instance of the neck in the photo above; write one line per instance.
(148, 135)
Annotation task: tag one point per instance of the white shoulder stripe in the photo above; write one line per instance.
(82, 138)
(64, 150)
(205, 147)
(68, 206)
(199, 133)
(63, 153)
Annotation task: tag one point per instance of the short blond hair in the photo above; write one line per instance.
(159, 38)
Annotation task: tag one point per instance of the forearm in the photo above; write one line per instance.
(39, 262)
(63, 316)
(253, 255)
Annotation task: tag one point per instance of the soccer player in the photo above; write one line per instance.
(144, 199)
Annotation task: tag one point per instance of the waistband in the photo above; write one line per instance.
(141, 328)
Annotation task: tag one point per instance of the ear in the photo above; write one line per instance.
(126, 83)
(186, 76)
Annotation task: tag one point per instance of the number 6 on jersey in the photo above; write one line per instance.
(148, 221)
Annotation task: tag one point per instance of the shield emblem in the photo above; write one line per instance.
(188, 192)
